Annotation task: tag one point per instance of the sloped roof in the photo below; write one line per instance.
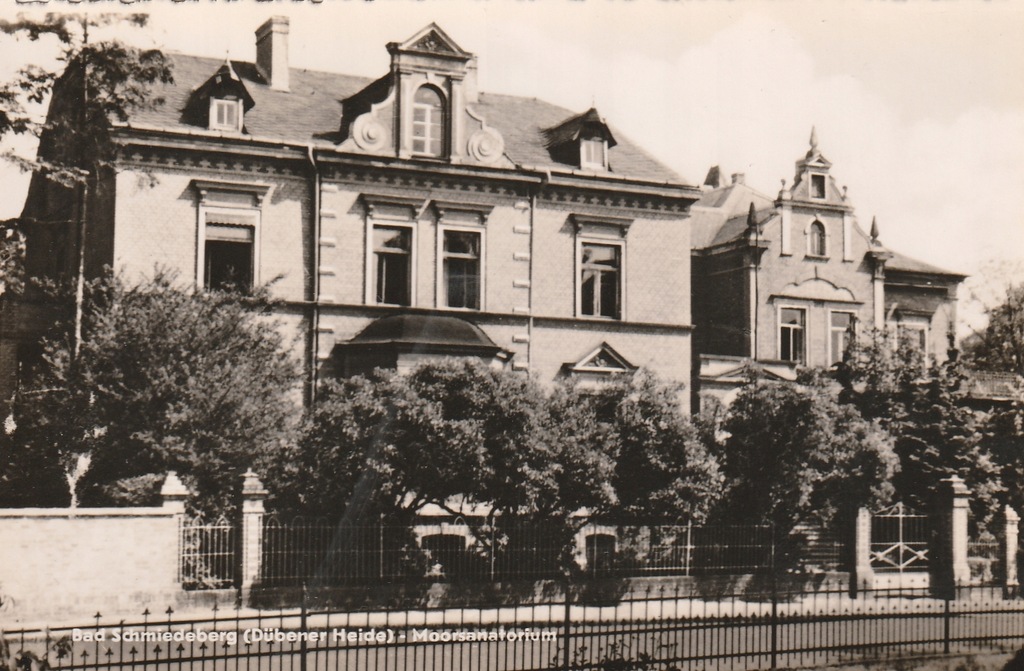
(425, 330)
(310, 112)
(721, 215)
(901, 262)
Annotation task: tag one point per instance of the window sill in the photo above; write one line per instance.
(816, 257)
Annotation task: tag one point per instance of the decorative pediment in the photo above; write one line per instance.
(817, 289)
(602, 360)
(432, 40)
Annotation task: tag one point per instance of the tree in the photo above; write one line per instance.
(100, 83)
(12, 255)
(166, 379)
(663, 470)
(448, 431)
(795, 455)
(936, 434)
(1000, 346)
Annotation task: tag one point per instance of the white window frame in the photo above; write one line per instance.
(803, 361)
(444, 124)
(824, 190)
(582, 240)
(914, 323)
(371, 261)
(442, 285)
(832, 358)
(221, 197)
(207, 209)
(592, 165)
(215, 103)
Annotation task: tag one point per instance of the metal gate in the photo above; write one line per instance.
(899, 540)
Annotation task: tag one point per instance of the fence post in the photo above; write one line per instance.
(949, 555)
(1012, 584)
(174, 493)
(862, 572)
(253, 495)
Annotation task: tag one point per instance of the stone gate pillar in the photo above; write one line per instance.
(948, 551)
(1010, 541)
(863, 575)
(253, 494)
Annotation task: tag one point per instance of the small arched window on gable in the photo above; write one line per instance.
(817, 244)
(428, 122)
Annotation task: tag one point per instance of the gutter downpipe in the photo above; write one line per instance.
(544, 180)
(314, 326)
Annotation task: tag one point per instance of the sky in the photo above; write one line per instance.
(919, 105)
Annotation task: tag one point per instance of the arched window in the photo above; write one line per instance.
(816, 244)
(428, 122)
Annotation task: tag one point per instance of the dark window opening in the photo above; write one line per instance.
(818, 241)
(229, 258)
(791, 336)
(462, 269)
(817, 186)
(600, 291)
(393, 260)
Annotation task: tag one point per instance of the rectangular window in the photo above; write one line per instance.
(461, 261)
(817, 186)
(841, 333)
(392, 254)
(601, 280)
(915, 334)
(792, 322)
(592, 154)
(224, 114)
(228, 252)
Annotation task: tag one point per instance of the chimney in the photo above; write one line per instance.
(739, 178)
(272, 52)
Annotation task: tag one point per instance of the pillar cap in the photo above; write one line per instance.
(173, 488)
(1011, 514)
(955, 484)
(252, 487)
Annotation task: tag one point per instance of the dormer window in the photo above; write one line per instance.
(428, 123)
(817, 186)
(593, 154)
(225, 114)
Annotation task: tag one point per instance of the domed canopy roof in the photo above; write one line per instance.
(428, 333)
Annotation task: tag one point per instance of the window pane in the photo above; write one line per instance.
(228, 265)
(791, 335)
(462, 269)
(818, 186)
(600, 293)
(392, 255)
(392, 238)
(428, 122)
(462, 242)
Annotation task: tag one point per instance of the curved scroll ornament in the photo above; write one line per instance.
(369, 133)
(486, 145)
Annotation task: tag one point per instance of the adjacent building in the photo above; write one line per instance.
(788, 281)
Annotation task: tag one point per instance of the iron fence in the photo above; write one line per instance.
(661, 628)
(316, 552)
(208, 554)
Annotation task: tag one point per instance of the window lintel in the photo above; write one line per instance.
(204, 187)
(375, 201)
(482, 210)
(589, 224)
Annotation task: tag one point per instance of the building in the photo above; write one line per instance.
(408, 217)
(787, 281)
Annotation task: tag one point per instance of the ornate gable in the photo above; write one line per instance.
(432, 40)
(603, 360)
